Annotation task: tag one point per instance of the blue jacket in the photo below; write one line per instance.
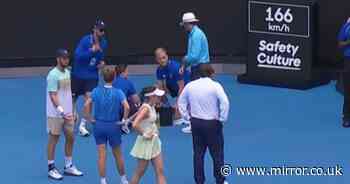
(197, 49)
(86, 61)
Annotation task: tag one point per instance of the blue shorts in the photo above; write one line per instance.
(107, 132)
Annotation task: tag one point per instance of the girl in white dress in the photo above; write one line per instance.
(148, 145)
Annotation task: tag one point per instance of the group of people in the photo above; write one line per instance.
(200, 102)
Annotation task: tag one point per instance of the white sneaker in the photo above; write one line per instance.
(124, 182)
(187, 130)
(72, 171)
(103, 182)
(225, 182)
(83, 131)
(55, 174)
(178, 122)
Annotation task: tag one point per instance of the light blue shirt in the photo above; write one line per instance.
(204, 99)
(197, 49)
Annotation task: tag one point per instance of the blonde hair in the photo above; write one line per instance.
(108, 74)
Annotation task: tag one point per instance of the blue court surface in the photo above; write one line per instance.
(267, 127)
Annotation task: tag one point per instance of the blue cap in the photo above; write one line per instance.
(62, 53)
(100, 24)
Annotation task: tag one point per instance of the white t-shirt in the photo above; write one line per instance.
(58, 81)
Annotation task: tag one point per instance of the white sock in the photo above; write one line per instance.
(68, 161)
(103, 180)
(123, 178)
(50, 162)
(83, 122)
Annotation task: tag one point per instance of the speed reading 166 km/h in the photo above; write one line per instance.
(279, 18)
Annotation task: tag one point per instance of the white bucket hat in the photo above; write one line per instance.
(156, 92)
(188, 18)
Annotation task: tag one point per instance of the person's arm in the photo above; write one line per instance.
(183, 104)
(85, 50)
(343, 36)
(88, 105)
(54, 99)
(161, 84)
(123, 100)
(224, 104)
(103, 48)
(104, 45)
(56, 103)
(52, 87)
(342, 44)
(126, 109)
(161, 81)
(135, 99)
(88, 109)
(179, 77)
(141, 115)
(181, 85)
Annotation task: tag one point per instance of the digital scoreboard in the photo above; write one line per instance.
(281, 42)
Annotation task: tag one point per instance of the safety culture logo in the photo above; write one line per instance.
(278, 55)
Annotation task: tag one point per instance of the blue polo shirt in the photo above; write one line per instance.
(85, 60)
(170, 74)
(107, 103)
(197, 48)
(344, 35)
(125, 85)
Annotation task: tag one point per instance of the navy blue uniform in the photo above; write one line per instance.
(128, 89)
(84, 70)
(125, 85)
(170, 74)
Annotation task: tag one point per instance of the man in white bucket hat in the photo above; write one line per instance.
(197, 49)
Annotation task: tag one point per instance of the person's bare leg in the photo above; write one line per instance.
(159, 169)
(51, 146)
(102, 160)
(119, 161)
(83, 130)
(140, 171)
(69, 143)
(75, 111)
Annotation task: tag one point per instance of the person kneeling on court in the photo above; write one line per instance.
(122, 82)
(107, 102)
(172, 82)
(59, 110)
(148, 145)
